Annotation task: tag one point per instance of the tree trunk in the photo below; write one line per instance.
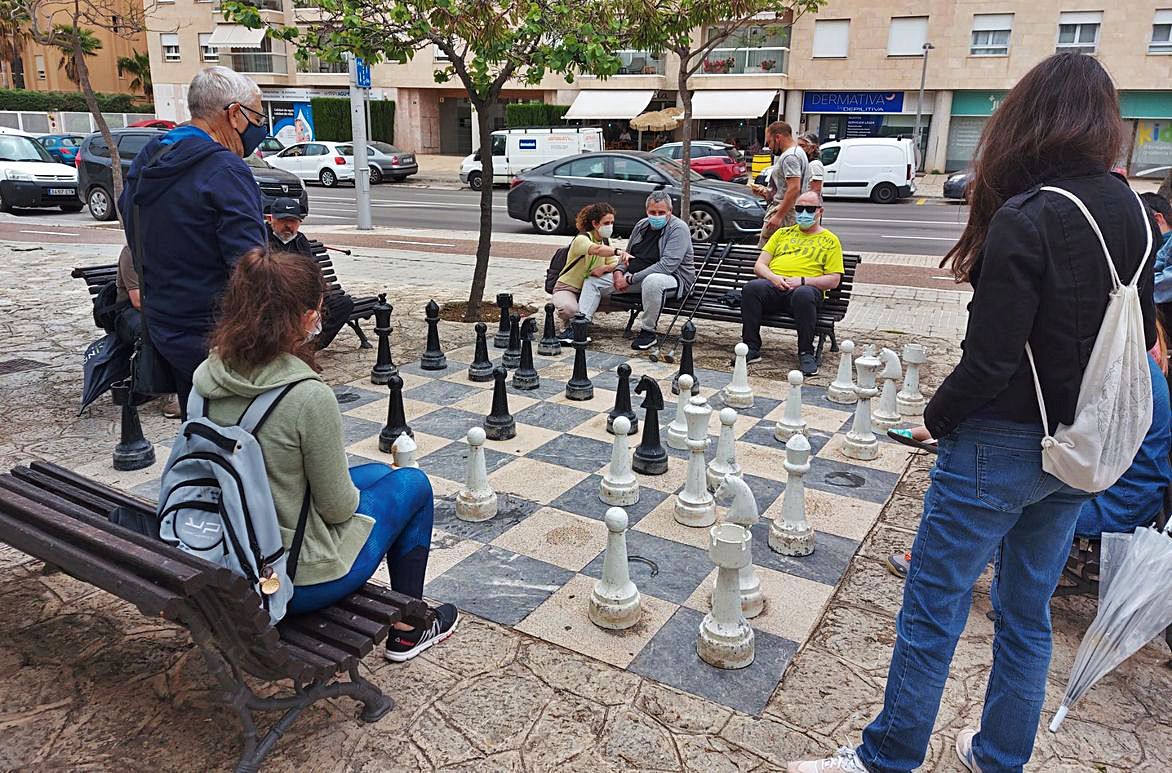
(486, 110)
(1166, 186)
(686, 150)
(91, 101)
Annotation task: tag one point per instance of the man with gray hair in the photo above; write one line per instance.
(191, 208)
(658, 264)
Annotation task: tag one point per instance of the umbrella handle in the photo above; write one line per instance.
(1061, 715)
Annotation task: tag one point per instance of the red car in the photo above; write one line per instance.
(715, 160)
(154, 123)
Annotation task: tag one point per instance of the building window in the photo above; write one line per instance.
(831, 38)
(991, 34)
(753, 50)
(1161, 33)
(40, 64)
(315, 65)
(1078, 31)
(115, 24)
(907, 36)
(207, 53)
(170, 44)
(639, 63)
(259, 60)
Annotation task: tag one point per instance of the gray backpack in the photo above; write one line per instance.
(215, 501)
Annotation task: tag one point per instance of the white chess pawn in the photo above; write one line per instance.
(743, 512)
(791, 422)
(694, 504)
(790, 534)
(725, 460)
(860, 442)
(842, 389)
(886, 414)
(403, 451)
(910, 400)
(615, 602)
(477, 501)
(726, 640)
(619, 485)
(677, 431)
(738, 393)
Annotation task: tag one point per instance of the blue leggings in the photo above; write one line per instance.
(400, 502)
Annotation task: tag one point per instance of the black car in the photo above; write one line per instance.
(956, 186)
(96, 182)
(548, 196)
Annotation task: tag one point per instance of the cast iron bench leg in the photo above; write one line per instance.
(631, 322)
(833, 341)
(363, 343)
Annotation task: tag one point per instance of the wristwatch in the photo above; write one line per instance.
(803, 281)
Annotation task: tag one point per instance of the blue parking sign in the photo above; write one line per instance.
(362, 74)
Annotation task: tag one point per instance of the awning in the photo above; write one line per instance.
(235, 36)
(599, 103)
(731, 104)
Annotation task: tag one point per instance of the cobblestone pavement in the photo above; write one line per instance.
(86, 683)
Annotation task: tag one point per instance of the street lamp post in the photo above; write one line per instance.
(920, 102)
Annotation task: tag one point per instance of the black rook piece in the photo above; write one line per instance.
(550, 346)
(512, 356)
(481, 367)
(525, 377)
(383, 368)
(433, 358)
(505, 302)
(622, 402)
(499, 424)
(687, 339)
(133, 452)
(650, 457)
(579, 386)
(396, 417)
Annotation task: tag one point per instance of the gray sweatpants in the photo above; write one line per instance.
(653, 289)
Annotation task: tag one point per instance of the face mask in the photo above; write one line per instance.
(805, 219)
(657, 221)
(605, 230)
(252, 136)
(285, 238)
(312, 334)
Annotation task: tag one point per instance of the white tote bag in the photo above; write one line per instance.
(1114, 410)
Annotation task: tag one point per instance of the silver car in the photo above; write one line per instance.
(389, 163)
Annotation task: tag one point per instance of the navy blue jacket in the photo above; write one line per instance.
(201, 211)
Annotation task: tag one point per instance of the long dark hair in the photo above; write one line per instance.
(1062, 115)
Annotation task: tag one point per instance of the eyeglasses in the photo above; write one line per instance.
(808, 209)
(263, 120)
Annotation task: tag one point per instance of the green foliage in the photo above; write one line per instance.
(65, 36)
(139, 65)
(534, 114)
(382, 121)
(69, 101)
(331, 118)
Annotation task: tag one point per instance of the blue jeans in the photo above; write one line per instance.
(400, 502)
(988, 498)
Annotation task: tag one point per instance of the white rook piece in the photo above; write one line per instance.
(615, 602)
(738, 393)
(725, 460)
(477, 502)
(743, 512)
(842, 389)
(403, 451)
(791, 422)
(694, 504)
(790, 534)
(909, 400)
(677, 431)
(886, 414)
(726, 640)
(619, 485)
(860, 442)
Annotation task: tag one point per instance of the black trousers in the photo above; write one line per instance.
(760, 297)
(336, 311)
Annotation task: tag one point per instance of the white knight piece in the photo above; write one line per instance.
(743, 512)
(886, 414)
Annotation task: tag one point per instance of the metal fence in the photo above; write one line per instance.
(64, 122)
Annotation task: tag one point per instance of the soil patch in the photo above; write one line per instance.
(489, 311)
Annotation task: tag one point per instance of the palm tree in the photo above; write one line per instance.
(13, 35)
(65, 36)
(138, 65)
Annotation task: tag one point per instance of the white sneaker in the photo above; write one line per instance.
(844, 760)
(964, 749)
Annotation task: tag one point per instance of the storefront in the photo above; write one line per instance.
(839, 115)
(738, 117)
(970, 113)
(1148, 115)
(612, 110)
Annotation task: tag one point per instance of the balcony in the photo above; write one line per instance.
(315, 66)
(267, 5)
(755, 50)
(639, 63)
(255, 62)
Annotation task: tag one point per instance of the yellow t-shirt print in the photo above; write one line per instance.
(796, 253)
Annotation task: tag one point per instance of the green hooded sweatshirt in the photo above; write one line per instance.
(302, 444)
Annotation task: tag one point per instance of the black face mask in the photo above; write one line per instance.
(253, 134)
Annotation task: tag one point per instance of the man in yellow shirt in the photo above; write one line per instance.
(796, 267)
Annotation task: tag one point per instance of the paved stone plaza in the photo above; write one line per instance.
(87, 683)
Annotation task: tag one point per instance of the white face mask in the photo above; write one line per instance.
(312, 334)
(285, 238)
(606, 230)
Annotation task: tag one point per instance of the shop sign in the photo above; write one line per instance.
(852, 102)
(863, 126)
(300, 95)
(977, 103)
(293, 123)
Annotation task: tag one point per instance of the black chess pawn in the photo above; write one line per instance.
(396, 417)
(133, 452)
(622, 402)
(512, 355)
(499, 423)
(579, 386)
(384, 367)
(687, 341)
(550, 345)
(505, 302)
(650, 456)
(525, 376)
(433, 358)
(481, 367)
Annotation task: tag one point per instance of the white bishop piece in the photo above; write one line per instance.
(615, 602)
(738, 393)
(790, 534)
(619, 485)
(860, 442)
(791, 422)
(477, 501)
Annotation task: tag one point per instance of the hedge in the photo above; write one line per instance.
(331, 119)
(69, 101)
(534, 114)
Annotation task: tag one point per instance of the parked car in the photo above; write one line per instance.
(30, 177)
(269, 146)
(389, 163)
(153, 123)
(715, 160)
(325, 162)
(550, 195)
(276, 184)
(516, 150)
(956, 186)
(62, 147)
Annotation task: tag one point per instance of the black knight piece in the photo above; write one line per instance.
(512, 356)
(525, 376)
(433, 358)
(499, 424)
(481, 367)
(549, 346)
(384, 367)
(505, 302)
(133, 452)
(650, 457)
(687, 341)
(396, 417)
(579, 386)
(622, 402)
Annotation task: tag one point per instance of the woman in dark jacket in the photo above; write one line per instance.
(1039, 276)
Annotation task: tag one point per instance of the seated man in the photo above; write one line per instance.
(284, 232)
(796, 267)
(658, 262)
(128, 322)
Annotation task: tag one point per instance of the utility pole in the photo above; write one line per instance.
(920, 102)
(359, 82)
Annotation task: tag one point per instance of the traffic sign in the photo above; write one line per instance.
(361, 74)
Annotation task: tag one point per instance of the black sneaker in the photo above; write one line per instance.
(808, 364)
(645, 340)
(404, 645)
(754, 355)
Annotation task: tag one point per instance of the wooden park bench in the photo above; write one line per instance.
(97, 276)
(730, 267)
(62, 518)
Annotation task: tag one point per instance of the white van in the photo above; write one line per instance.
(882, 169)
(517, 150)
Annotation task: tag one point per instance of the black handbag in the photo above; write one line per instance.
(150, 374)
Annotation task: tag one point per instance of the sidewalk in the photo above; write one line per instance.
(932, 185)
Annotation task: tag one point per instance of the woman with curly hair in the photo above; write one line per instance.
(590, 255)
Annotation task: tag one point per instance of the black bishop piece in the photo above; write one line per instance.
(396, 417)
(622, 402)
(687, 341)
(512, 355)
(525, 376)
(499, 424)
(579, 386)
(481, 367)
(650, 457)
(433, 358)
(505, 302)
(384, 367)
(550, 345)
